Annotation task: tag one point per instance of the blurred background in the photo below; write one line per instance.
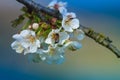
(92, 62)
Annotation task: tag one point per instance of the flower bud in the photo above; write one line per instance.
(29, 26)
(53, 21)
(35, 26)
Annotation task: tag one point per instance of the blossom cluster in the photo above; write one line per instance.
(49, 44)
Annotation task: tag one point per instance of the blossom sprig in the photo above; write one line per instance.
(47, 38)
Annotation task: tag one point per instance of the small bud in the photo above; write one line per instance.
(35, 26)
(53, 21)
(54, 27)
(29, 26)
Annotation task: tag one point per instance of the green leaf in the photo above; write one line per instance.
(18, 21)
(24, 9)
(26, 25)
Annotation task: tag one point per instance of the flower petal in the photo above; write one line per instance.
(79, 34)
(41, 51)
(62, 4)
(55, 31)
(26, 51)
(75, 23)
(37, 43)
(67, 28)
(25, 44)
(71, 34)
(17, 37)
(75, 45)
(63, 37)
(33, 33)
(63, 11)
(33, 49)
(72, 14)
(17, 46)
(14, 45)
(52, 55)
(51, 4)
(60, 59)
(43, 58)
(48, 40)
(25, 33)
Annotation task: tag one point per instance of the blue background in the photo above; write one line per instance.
(92, 62)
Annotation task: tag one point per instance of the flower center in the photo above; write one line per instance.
(31, 39)
(68, 21)
(55, 36)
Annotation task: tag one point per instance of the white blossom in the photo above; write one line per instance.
(70, 22)
(52, 55)
(78, 34)
(50, 48)
(58, 6)
(73, 45)
(17, 46)
(56, 37)
(26, 41)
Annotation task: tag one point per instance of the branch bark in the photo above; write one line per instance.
(98, 37)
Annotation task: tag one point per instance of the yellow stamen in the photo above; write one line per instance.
(55, 36)
(31, 39)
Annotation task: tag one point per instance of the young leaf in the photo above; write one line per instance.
(17, 21)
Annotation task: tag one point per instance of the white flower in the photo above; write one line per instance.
(58, 6)
(52, 55)
(77, 34)
(70, 22)
(73, 45)
(26, 41)
(56, 37)
(34, 26)
(17, 46)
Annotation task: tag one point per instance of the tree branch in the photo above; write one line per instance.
(101, 39)
(37, 7)
(98, 37)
